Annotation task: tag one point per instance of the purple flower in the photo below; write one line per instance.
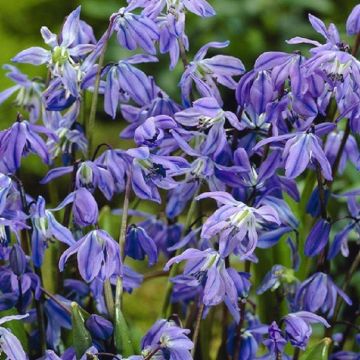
(276, 342)
(85, 208)
(171, 341)
(18, 141)
(9, 343)
(301, 149)
(153, 8)
(151, 171)
(236, 224)
(45, 228)
(124, 80)
(135, 31)
(298, 329)
(277, 276)
(319, 292)
(205, 73)
(205, 113)
(138, 244)
(153, 130)
(28, 92)
(89, 175)
(99, 327)
(209, 269)
(318, 238)
(98, 254)
(353, 21)
(65, 50)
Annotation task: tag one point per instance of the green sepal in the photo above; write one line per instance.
(320, 351)
(81, 338)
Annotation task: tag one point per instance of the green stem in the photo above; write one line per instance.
(173, 271)
(90, 123)
(354, 266)
(197, 328)
(109, 298)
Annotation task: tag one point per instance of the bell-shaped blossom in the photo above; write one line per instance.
(18, 141)
(277, 276)
(353, 21)
(170, 341)
(9, 344)
(135, 31)
(153, 130)
(139, 243)
(317, 238)
(65, 50)
(208, 267)
(153, 8)
(57, 318)
(206, 73)
(301, 149)
(89, 175)
(98, 254)
(236, 224)
(319, 292)
(150, 171)
(45, 228)
(99, 327)
(124, 80)
(28, 92)
(298, 329)
(85, 208)
(276, 341)
(204, 113)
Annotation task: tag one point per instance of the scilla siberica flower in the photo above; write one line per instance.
(135, 31)
(236, 224)
(298, 329)
(319, 292)
(18, 141)
(28, 92)
(98, 254)
(170, 340)
(150, 171)
(206, 73)
(46, 228)
(9, 343)
(208, 267)
(85, 208)
(65, 49)
(300, 149)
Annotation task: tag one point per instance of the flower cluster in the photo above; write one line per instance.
(262, 261)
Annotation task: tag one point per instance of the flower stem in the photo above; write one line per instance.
(354, 266)
(109, 298)
(173, 271)
(90, 124)
(296, 354)
(197, 328)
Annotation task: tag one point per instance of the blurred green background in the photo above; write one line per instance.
(252, 26)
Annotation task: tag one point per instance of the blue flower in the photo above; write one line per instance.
(98, 255)
(298, 329)
(236, 224)
(18, 141)
(9, 343)
(135, 31)
(45, 228)
(319, 292)
(170, 341)
(206, 73)
(138, 244)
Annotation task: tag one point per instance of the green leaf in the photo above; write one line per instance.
(320, 351)
(122, 339)
(80, 335)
